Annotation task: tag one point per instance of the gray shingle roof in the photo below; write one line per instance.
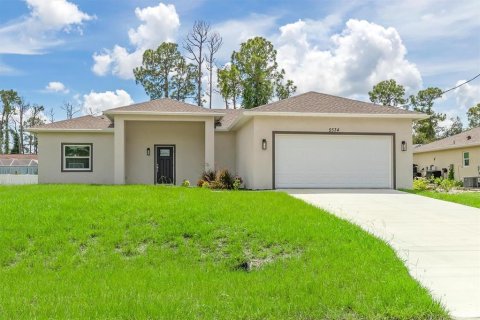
(465, 139)
(161, 105)
(231, 115)
(82, 123)
(315, 102)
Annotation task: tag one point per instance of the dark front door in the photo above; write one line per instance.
(165, 166)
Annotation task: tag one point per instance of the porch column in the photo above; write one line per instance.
(209, 144)
(119, 151)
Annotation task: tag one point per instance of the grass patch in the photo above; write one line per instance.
(135, 252)
(471, 199)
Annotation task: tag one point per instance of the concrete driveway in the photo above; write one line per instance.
(439, 241)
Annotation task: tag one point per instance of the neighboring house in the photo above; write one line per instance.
(462, 151)
(312, 140)
(18, 164)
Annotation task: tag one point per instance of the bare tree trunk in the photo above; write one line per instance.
(21, 131)
(194, 44)
(210, 84)
(1, 135)
(22, 109)
(51, 115)
(70, 110)
(214, 42)
(165, 89)
(7, 134)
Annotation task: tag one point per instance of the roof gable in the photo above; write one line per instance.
(469, 138)
(165, 105)
(88, 122)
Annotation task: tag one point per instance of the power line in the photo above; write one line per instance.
(461, 84)
(443, 92)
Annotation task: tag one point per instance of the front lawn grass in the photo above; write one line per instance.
(138, 252)
(471, 199)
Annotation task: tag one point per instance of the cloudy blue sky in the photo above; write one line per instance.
(83, 51)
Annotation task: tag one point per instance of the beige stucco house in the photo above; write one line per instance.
(462, 151)
(312, 140)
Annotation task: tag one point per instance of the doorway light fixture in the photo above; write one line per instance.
(264, 144)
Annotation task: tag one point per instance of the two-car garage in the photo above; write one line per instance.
(333, 160)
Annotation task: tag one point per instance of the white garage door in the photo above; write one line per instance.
(333, 161)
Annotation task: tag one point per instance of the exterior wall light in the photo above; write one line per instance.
(404, 145)
(264, 144)
(148, 151)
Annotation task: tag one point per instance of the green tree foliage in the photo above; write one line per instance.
(183, 81)
(473, 115)
(34, 120)
(455, 128)
(284, 89)
(451, 173)
(16, 142)
(426, 130)
(10, 99)
(157, 69)
(388, 93)
(256, 62)
(229, 84)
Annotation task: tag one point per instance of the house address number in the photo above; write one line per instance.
(334, 130)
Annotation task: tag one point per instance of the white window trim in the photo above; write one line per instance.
(463, 159)
(64, 157)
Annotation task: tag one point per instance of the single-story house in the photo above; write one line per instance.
(462, 151)
(311, 140)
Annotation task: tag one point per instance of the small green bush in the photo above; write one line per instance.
(225, 179)
(221, 179)
(209, 175)
(437, 181)
(451, 173)
(420, 184)
(185, 183)
(237, 183)
(447, 185)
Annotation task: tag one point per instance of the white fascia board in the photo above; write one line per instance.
(109, 130)
(418, 116)
(153, 113)
(446, 148)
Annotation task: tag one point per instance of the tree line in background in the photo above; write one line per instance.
(16, 115)
(390, 93)
(251, 78)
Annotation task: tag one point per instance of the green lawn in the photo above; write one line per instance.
(138, 252)
(471, 199)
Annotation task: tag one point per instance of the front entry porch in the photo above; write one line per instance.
(168, 150)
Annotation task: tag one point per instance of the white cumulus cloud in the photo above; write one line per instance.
(158, 24)
(56, 86)
(236, 31)
(467, 95)
(363, 54)
(96, 102)
(37, 31)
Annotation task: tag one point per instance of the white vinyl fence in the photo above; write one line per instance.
(18, 179)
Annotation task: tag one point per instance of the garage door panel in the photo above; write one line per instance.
(333, 161)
